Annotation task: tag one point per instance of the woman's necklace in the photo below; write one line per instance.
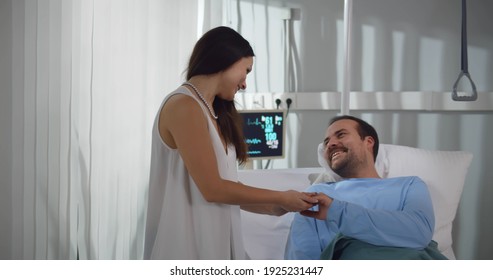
(201, 98)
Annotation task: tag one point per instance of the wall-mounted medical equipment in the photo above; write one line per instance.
(264, 132)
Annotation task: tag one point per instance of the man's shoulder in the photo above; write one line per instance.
(321, 186)
(414, 181)
(404, 178)
(410, 177)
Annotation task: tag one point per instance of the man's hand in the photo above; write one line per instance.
(324, 203)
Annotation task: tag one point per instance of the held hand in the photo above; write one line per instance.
(324, 203)
(294, 201)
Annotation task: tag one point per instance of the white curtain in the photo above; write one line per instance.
(87, 79)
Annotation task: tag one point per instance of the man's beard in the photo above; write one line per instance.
(347, 167)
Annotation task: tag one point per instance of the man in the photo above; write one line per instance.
(393, 212)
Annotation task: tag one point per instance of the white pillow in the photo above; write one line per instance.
(443, 171)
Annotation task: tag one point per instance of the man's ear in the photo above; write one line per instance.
(370, 142)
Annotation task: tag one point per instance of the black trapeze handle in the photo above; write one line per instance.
(464, 63)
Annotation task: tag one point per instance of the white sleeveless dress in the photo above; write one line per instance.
(181, 224)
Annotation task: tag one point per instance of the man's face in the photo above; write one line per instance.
(344, 148)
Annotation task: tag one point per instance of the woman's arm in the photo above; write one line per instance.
(268, 209)
(184, 126)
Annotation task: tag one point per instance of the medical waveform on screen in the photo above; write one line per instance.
(264, 132)
(254, 141)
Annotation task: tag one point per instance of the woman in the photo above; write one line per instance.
(194, 195)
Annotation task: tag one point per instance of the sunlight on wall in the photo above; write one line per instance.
(397, 59)
(368, 58)
(430, 64)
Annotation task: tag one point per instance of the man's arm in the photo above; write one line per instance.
(409, 226)
(303, 242)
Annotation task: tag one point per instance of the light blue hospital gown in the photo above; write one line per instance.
(395, 212)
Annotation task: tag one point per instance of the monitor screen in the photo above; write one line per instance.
(264, 133)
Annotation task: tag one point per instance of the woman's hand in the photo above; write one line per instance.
(324, 203)
(294, 201)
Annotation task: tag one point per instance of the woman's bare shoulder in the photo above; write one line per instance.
(181, 115)
(182, 111)
(181, 105)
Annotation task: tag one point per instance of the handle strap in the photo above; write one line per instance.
(464, 63)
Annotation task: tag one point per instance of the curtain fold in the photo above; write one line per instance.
(88, 77)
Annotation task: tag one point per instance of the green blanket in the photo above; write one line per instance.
(347, 248)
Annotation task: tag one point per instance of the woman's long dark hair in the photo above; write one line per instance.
(216, 51)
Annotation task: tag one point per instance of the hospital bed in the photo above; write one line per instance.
(443, 171)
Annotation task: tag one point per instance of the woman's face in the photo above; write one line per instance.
(234, 78)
